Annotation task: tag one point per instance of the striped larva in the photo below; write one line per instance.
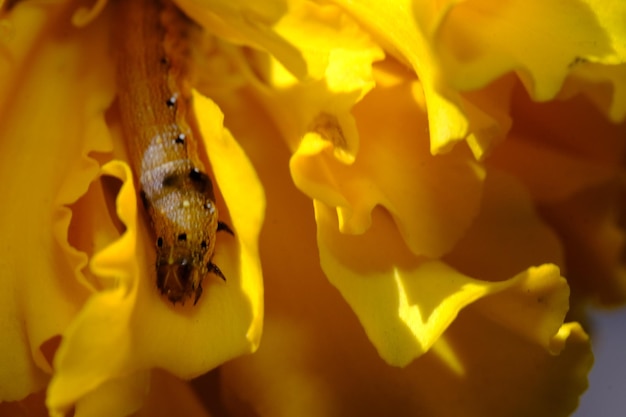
(154, 97)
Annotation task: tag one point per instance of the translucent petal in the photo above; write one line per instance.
(246, 22)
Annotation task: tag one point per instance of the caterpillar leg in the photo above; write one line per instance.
(216, 270)
(223, 226)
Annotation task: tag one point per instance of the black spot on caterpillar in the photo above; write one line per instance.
(154, 102)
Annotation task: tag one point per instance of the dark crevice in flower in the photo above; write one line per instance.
(49, 347)
(328, 127)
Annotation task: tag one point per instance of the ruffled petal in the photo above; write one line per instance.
(248, 22)
(46, 168)
(339, 56)
(316, 351)
(406, 37)
(452, 48)
(551, 148)
(567, 33)
(127, 328)
(570, 157)
(395, 173)
(406, 304)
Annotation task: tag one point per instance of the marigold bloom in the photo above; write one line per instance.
(405, 158)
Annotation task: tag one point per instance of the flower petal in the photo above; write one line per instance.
(594, 239)
(119, 397)
(444, 189)
(243, 194)
(472, 56)
(333, 372)
(46, 168)
(315, 351)
(406, 304)
(403, 28)
(339, 58)
(169, 396)
(508, 235)
(550, 149)
(128, 328)
(97, 342)
(452, 49)
(592, 79)
(244, 22)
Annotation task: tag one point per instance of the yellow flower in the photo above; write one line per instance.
(79, 271)
(405, 160)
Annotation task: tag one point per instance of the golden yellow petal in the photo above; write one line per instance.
(97, 343)
(119, 397)
(404, 29)
(316, 359)
(127, 327)
(45, 76)
(432, 199)
(244, 197)
(478, 41)
(403, 303)
(315, 351)
(339, 57)
(247, 22)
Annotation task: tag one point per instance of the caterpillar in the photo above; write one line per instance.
(154, 100)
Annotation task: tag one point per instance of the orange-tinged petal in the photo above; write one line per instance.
(46, 168)
(479, 368)
(169, 396)
(315, 358)
(404, 303)
(560, 148)
(604, 85)
(31, 406)
(488, 110)
(403, 28)
(590, 224)
(508, 234)
(398, 174)
(550, 174)
(577, 184)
